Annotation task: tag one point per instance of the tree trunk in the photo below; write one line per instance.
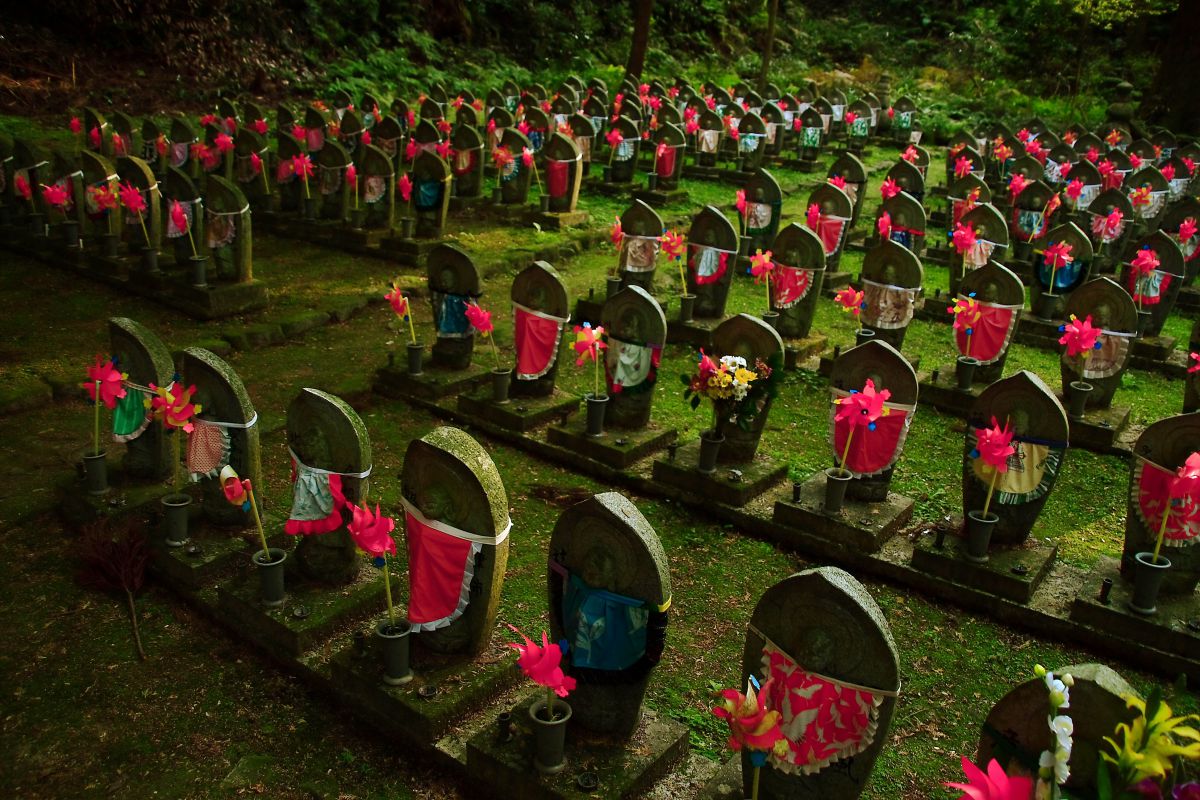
(764, 74)
(641, 39)
(1174, 98)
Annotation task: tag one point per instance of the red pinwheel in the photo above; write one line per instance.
(1187, 229)
(1080, 336)
(1070, 137)
(1002, 152)
(762, 267)
(75, 125)
(236, 490)
(863, 408)
(1024, 135)
(405, 187)
(298, 132)
(891, 113)
(711, 102)
(1074, 190)
(259, 126)
(491, 126)
(1113, 138)
(179, 216)
(411, 117)
(1194, 367)
(691, 126)
(365, 138)
(995, 784)
(850, 117)
(850, 300)
(910, 154)
(673, 245)
(1064, 169)
(740, 202)
(480, 320)
(838, 181)
(103, 197)
(588, 342)
(884, 225)
(256, 163)
(1058, 255)
(94, 137)
(444, 127)
(444, 150)
(1168, 172)
(1189, 164)
(995, 445)
(105, 384)
(1186, 483)
(966, 314)
(501, 157)
(1112, 223)
(964, 238)
(1016, 185)
(173, 405)
(527, 157)
(1140, 197)
(23, 188)
(131, 198)
(751, 724)
(160, 145)
(208, 119)
(398, 301)
(1145, 262)
(797, 123)
(616, 235)
(1135, 161)
(813, 216)
(1092, 155)
(371, 531)
(889, 189)
(56, 195)
(302, 165)
(542, 665)
(411, 150)
(224, 143)
(962, 167)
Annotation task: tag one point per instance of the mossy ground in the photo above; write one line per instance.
(84, 717)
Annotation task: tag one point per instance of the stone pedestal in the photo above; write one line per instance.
(834, 282)
(519, 413)
(661, 197)
(410, 252)
(697, 333)
(797, 351)
(616, 448)
(210, 553)
(860, 526)
(1013, 573)
(620, 769)
(126, 498)
(732, 484)
(1037, 332)
(433, 383)
(310, 614)
(940, 390)
(422, 711)
(1099, 428)
(557, 221)
(587, 309)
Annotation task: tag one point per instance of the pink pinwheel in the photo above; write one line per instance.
(1070, 137)
(104, 374)
(891, 113)
(1145, 262)
(527, 157)
(1113, 138)
(259, 126)
(850, 300)
(851, 117)
(751, 725)
(1035, 149)
(1112, 223)
(173, 405)
(1187, 229)
(761, 266)
(480, 320)
(1135, 161)
(256, 163)
(224, 142)
(995, 445)
(614, 138)
(732, 132)
(23, 188)
(56, 195)
(797, 123)
(1109, 176)
(740, 202)
(616, 235)
(838, 181)
(813, 216)
(1064, 169)
(94, 137)
(236, 490)
(964, 238)
(298, 132)
(1092, 155)
(1189, 164)
(962, 167)
(444, 150)
(1080, 336)
(995, 784)
(75, 125)
(411, 150)
(208, 119)
(542, 664)
(398, 301)
(711, 102)
(884, 225)
(1016, 185)
(371, 531)
(1140, 197)
(1058, 255)
(1196, 366)
(491, 126)
(444, 127)
(889, 189)
(1168, 172)
(405, 187)
(1024, 135)
(1074, 190)
(411, 117)
(910, 154)
(863, 408)
(966, 312)
(104, 198)
(691, 126)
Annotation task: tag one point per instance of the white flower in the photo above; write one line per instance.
(733, 362)
(1060, 695)
(1063, 728)
(1057, 763)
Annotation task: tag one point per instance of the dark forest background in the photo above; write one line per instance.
(1060, 58)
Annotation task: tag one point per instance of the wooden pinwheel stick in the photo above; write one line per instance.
(258, 524)
(96, 422)
(1162, 529)
(846, 449)
(387, 590)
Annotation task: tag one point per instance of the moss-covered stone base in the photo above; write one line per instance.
(519, 413)
(732, 484)
(615, 447)
(1013, 573)
(861, 526)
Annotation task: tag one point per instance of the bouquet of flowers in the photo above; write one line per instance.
(737, 392)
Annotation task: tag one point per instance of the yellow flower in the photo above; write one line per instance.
(1150, 743)
(744, 375)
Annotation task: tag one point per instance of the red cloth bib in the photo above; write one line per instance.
(1152, 490)
(556, 177)
(440, 569)
(871, 452)
(991, 333)
(666, 162)
(791, 285)
(536, 339)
